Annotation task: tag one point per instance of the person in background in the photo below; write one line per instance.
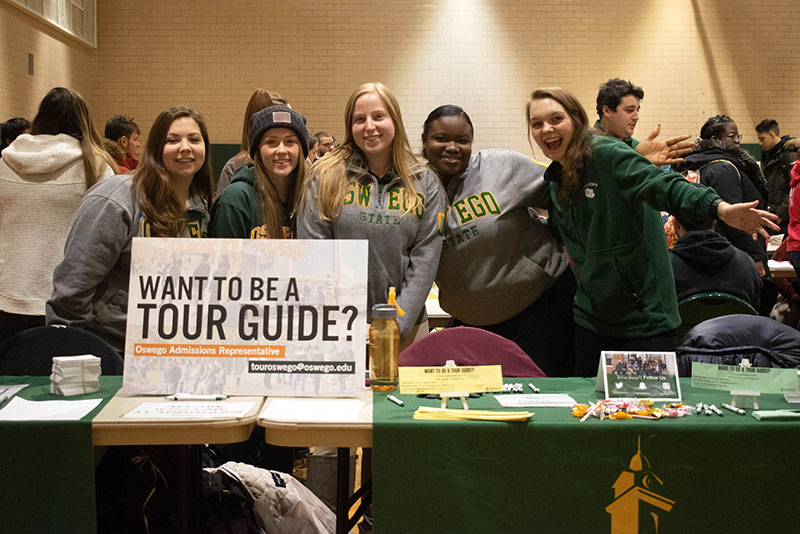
(793, 238)
(167, 196)
(42, 179)
(313, 150)
(500, 269)
(372, 187)
(261, 200)
(703, 261)
(604, 201)
(734, 174)
(11, 129)
(326, 143)
(618, 105)
(778, 154)
(124, 132)
(787, 306)
(260, 99)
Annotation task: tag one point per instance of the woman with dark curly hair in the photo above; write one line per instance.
(734, 175)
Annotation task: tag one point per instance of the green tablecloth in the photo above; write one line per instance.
(47, 467)
(556, 474)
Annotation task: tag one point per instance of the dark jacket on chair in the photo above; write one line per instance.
(704, 261)
(729, 339)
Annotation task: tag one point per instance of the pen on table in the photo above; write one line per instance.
(716, 410)
(734, 409)
(395, 400)
(190, 397)
(534, 388)
(590, 411)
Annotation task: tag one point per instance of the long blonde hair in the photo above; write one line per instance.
(331, 170)
(580, 146)
(63, 111)
(271, 206)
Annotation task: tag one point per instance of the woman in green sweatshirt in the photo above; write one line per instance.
(261, 200)
(606, 199)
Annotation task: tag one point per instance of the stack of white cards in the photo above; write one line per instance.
(75, 375)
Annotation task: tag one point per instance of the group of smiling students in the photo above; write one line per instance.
(463, 220)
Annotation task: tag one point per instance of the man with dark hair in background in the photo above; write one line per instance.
(123, 131)
(618, 104)
(326, 143)
(778, 154)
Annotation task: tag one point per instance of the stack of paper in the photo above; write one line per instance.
(75, 375)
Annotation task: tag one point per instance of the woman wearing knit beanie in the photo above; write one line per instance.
(372, 187)
(260, 203)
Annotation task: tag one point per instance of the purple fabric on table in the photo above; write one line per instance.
(470, 346)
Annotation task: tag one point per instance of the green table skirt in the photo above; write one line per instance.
(556, 474)
(47, 467)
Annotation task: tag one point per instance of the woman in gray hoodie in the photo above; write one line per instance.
(501, 269)
(373, 188)
(167, 197)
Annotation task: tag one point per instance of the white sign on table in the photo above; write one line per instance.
(246, 317)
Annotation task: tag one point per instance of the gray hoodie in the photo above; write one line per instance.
(90, 285)
(403, 249)
(496, 259)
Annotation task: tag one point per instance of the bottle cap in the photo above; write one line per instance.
(387, 311)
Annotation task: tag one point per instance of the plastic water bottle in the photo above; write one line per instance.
(384, 348)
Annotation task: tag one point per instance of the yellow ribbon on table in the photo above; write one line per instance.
(446, 414)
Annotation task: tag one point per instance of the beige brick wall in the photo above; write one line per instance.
(694, 58)
(59, 60)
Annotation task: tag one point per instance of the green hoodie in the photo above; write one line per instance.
(612, 229)
(237, 212)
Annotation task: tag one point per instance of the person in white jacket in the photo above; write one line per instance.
(43, 176)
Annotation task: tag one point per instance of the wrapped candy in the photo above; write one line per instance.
(629, 409)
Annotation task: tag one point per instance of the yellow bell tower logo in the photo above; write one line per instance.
(637, 507)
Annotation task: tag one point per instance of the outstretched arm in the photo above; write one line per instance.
(667, 152)
(747, 218)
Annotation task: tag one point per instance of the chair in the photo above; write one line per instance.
(703, 306)
(31, 351)
(470, 346)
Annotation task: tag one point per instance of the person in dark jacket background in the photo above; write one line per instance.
(704, 261)
(778, 154)
(734, 174)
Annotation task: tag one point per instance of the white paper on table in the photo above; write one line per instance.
(190, 410)
(539, 400)
(55, 410)
(305, 410)
(780, 266)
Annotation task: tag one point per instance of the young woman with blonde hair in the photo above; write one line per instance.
(260, 203)
(43, 176)
(372, 187)
(168, 196)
